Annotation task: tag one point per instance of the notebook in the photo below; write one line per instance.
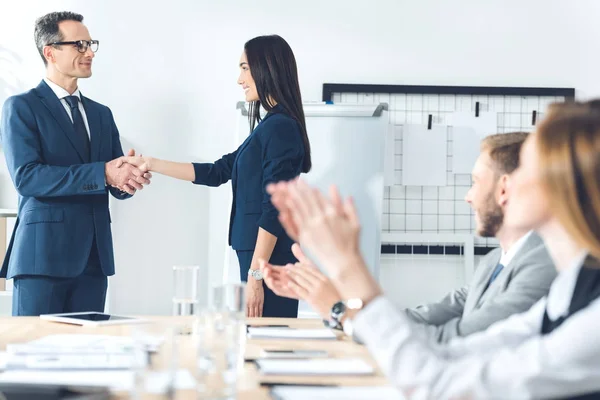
(323, 366)
(290, 333)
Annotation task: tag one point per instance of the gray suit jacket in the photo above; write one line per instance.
(521, 283)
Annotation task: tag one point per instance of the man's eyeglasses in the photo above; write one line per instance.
(82, 45)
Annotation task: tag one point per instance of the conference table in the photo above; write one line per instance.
(251, 384)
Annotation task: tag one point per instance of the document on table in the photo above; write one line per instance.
(156, 382)
(64, 362)
(82, 344)
(326, 366)
(335, 392)
(290, 333)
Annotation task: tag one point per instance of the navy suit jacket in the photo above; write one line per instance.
(63, 198)
(273, 152)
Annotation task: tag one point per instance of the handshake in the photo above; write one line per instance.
(128, 173)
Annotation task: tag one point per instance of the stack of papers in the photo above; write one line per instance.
(290, 333)
(155, 381)
(326, 366)
(75, 352)
(86, 360)
(82, 344)
(335, 392)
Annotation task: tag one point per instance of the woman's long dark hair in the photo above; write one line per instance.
(273, 68)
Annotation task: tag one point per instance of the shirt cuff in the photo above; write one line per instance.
(377, 320)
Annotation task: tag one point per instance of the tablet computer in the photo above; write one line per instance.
(91, 318)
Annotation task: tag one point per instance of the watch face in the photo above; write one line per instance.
(257, 274)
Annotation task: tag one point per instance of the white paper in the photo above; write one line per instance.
(389, 168)
(156, 382)
(80, 344)
(70, 361)
(466, 144)
(335, 393)
(484, 125)
(467, 133)
(290, 333)
(327, 366)
(424, 155)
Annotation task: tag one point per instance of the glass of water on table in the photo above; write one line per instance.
(185, 290)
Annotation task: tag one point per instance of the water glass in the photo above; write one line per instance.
(219, 341)
(229, 299)
(156, 359)
(185, 290)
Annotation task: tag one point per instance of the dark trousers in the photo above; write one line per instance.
(274, 305)
(34, 295)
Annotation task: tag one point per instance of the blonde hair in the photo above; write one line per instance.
(504, 149)
(568, 143)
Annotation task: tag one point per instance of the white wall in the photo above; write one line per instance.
(169, 73)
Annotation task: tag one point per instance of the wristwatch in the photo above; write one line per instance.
(337, 312)
(354, 305)
(255, 273)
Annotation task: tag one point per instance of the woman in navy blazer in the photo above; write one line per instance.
(276, 150)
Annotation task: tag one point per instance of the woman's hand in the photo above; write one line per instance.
(255, 298)
(144, 163)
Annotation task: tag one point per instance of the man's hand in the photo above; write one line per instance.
(280, 197)
(124, 176)
(302, 281)
(277, 280)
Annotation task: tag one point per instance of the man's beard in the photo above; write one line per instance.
(491, 219)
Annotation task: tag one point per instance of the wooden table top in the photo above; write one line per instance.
(251, 384)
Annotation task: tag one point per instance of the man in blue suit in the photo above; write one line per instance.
(64, 155)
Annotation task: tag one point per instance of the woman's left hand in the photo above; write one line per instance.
(255, 298)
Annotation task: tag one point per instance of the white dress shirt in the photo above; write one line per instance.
(510, 360)
(61, 93)
(507, 257)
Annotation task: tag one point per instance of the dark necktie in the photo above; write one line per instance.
(496, 272)
(81, 135)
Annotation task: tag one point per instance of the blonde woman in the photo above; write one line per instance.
(550, 351)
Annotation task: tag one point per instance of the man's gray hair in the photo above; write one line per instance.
(46, 29)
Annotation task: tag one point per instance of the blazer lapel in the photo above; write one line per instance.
(57, 110)
(235, 162)
(485, 276)
(94, 122)
(242, 147)
(532, 242)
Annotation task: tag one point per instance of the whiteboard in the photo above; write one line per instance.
(348, 149)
